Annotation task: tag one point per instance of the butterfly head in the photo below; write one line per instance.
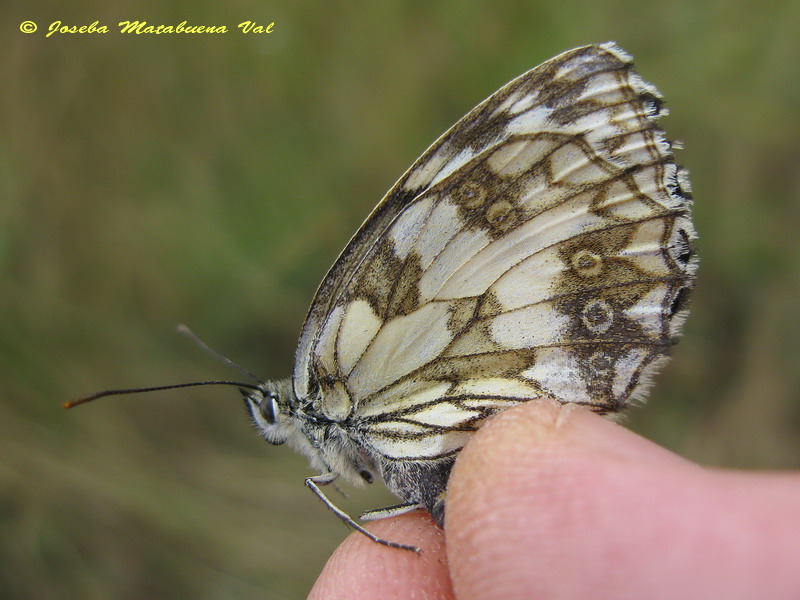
(269, 409)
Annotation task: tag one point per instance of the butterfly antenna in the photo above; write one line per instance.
(184, 330)
(158, 388)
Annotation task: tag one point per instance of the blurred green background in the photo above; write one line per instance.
(212, 179)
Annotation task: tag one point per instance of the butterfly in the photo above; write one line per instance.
(541, 248)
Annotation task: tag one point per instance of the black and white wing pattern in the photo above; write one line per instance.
(542, 247)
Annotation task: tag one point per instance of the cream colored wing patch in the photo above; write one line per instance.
(541, 247)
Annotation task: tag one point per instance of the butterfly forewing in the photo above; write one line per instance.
(540, 248)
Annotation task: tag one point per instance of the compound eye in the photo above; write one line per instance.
(269, 409)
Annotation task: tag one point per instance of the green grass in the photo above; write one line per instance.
(149, 181)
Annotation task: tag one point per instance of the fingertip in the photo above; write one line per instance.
(361, 568)
(535, 496)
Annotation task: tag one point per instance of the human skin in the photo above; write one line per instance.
(552, 501)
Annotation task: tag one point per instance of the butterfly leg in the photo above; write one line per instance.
(390, 511)
(315, 484)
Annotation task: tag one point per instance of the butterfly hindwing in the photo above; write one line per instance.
(540, 248)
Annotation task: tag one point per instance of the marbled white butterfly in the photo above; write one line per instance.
(542, 247)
